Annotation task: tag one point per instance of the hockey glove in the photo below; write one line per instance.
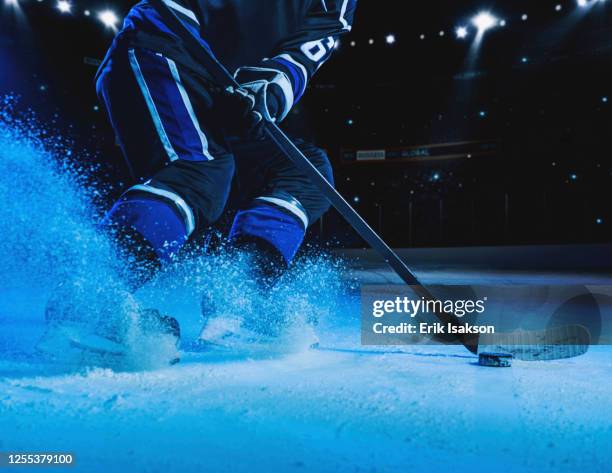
(264, 95)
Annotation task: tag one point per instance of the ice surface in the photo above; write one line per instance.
(343, 407)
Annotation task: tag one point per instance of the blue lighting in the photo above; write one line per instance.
(573, 177)
(524, 59)
(356, 199)
(599, 220)
(482, 113)
(435, 177)
(350, 122)
(604, 99)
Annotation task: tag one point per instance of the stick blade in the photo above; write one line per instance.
(554, 343)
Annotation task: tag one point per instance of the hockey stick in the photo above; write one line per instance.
(224, 79)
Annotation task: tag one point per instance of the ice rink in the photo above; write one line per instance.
(343, 407)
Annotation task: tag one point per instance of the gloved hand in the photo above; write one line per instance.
(264, 95)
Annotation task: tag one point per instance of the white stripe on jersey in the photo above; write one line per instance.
(287, 57)
(144, 88)
(291, 207)
(178, 201)
(181, 9)
(189, 108)
(345, 24)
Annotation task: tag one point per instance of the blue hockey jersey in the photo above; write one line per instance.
(293, 36)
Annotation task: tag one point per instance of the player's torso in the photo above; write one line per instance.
(240, 32)
(244, 31)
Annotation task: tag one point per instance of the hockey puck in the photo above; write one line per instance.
(497, 360)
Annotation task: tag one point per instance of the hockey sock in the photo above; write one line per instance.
(271, 236)
(149, 232)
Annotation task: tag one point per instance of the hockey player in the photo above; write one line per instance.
(184, 140)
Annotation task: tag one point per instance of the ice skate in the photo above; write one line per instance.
(105, 328)
(252, 332)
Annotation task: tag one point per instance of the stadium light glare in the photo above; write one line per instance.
(64, 6)
(484, 21)
(461, 32)
(390, 39)
(108, 19)
(12, 3)
(582, 3)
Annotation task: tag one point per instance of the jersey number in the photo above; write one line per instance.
(317, 50)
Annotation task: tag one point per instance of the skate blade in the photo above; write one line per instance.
(68, 345)
(239, 341)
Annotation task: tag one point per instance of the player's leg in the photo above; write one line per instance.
(273, 220)
(181, 180)
(279, 205)
(181, 168)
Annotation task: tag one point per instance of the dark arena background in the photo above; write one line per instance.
(474, 136)
(438, 140)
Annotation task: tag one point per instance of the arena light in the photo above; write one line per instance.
(582, 3)
(390, 39)
(484, 21)
(461, 32)
(108, 19)
(64, 6)
(12, 3)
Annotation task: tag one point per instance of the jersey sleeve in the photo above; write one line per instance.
(303, 53)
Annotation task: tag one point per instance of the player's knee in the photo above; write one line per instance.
(313, 200)
(320, 160)
(204, 186)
